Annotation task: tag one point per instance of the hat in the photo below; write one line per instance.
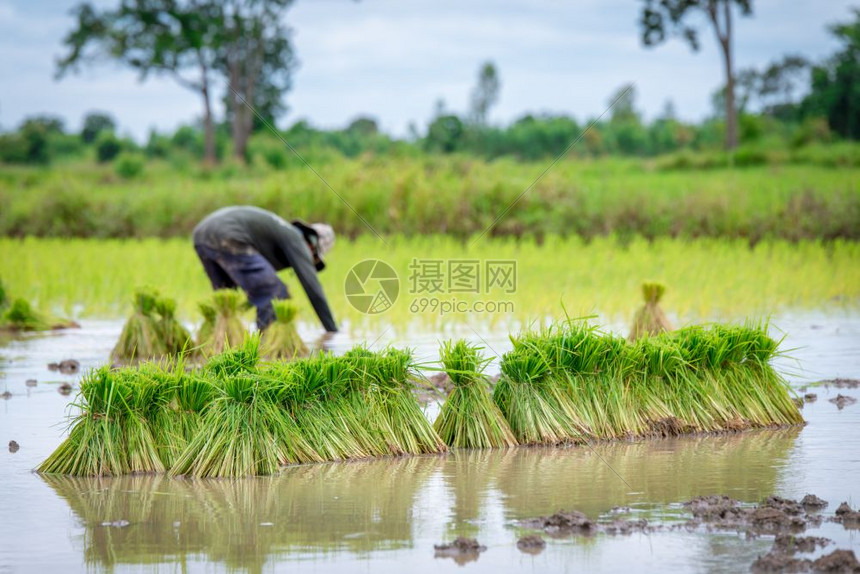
(321, 238)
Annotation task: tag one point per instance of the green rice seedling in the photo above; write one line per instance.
(175, 337)
(394, 375)
(653, 368)
(95, 445)
(222, 326)
(317, 397)
(650, 318)
(368, 394)
(244, 428)
(281, 340)
(528, 398)
(470, 418)
(141, 427)
(4, 301)
(20, 316)
(141, 337)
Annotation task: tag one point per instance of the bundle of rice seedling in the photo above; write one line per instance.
(175, 337)
(20, 316)
(244, 429)
(655, 373)
(96, 443)
(316, 397)
(281, 340)
(141, 337)
(222, 326)
(650, 318)
(394, 376)
(470, 418)
(527, 397)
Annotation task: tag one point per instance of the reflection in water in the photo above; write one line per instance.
(358, 507)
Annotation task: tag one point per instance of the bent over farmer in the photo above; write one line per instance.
(244, 246)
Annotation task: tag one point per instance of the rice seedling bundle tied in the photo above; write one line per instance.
(152, 331)
(237, 416)
(281, 340)
(222, 326)
(650, 318)
(469, 418)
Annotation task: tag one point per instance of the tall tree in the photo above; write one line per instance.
(486, 93)
(198, 43)
(660, 18)
(835, 90)
(257, 60)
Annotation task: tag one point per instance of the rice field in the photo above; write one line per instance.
(706, 279)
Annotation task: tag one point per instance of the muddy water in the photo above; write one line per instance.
(386, 515)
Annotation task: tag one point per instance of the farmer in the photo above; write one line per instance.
(243, 246)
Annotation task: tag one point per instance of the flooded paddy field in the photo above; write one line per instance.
(387, 515)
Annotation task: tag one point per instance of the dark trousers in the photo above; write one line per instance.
(248, 271)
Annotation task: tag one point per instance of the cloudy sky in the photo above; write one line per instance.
(393, 59)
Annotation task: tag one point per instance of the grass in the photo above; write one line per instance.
(416, 196)
(706, 279)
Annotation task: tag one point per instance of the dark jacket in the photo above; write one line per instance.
(247, 229)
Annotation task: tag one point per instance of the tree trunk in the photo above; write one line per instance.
(208, 127)
(731, 110)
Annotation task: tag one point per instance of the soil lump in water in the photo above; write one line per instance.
(531, 544)
(842, 401)
(66, 366)
(837, 561)
(812, 502)
(462, 550)
(13, 446)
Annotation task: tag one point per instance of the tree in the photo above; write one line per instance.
(662, 17)
(623, 103)
(195, 42)
(486, 93)
(257, 61)
(94, 124)
(835, 88)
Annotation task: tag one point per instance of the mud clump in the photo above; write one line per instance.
(716, 508)
(775, 562)
(462, 550)
(842, 383)
(66, 367)
(775, 515)
(65, 389)
(442, 382)
(668, 427)
(6, 395)
(837, 561)
(564, 522)
(847, 517)
(810, 397)
(842, 401)
(31, 382)
(788, 544)
(13, 446)
(531, 544)
(624, 527)
(770, 521)
(812, 502)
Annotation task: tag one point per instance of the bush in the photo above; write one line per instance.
(108, 147)
(129, 165)
(746, 156)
